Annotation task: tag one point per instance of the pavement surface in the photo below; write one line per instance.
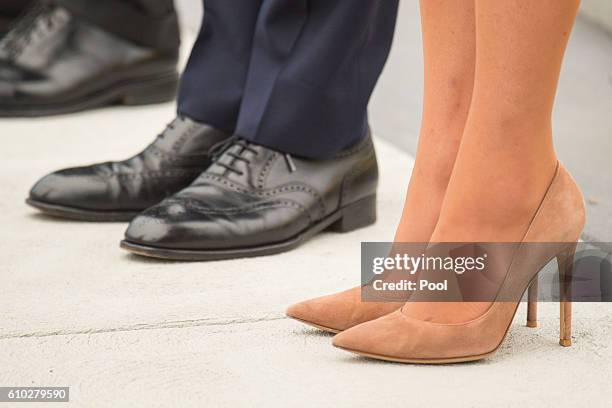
(123, 331)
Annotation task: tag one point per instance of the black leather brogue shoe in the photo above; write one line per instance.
(256, 201)
(118, 191)
(9, 11)
(54, 62)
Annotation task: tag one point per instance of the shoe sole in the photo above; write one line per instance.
(354, 216)
(419, 361)
(78, 214)
(148, 90)
(316, 326)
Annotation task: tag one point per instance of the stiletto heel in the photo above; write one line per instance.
(565, 262)
(532, 304)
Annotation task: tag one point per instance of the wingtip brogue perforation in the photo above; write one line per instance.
(255, 201)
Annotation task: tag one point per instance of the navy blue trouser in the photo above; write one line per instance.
(292, 75)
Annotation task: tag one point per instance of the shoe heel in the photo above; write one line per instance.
(532, 304)
(565, 262)
(156, 90)
(357, 215)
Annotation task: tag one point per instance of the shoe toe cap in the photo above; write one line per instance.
(361, 338)
(168, 225)
(335, 312)
(146, 229)
(312, 312)
(210, 224)
(71, 187)
(385, 336)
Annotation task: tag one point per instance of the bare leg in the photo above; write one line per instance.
(506, 159)
(449, 50)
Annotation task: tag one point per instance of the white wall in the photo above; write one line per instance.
(190, 12)
(600, 11)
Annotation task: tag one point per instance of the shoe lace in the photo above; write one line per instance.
(37, 17)
(222, 148)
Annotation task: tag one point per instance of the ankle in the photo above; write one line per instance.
(422, 206)
(492, 207)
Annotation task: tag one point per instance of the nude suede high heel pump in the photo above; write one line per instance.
(398, 337)
(343, 310)
(340, 311)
